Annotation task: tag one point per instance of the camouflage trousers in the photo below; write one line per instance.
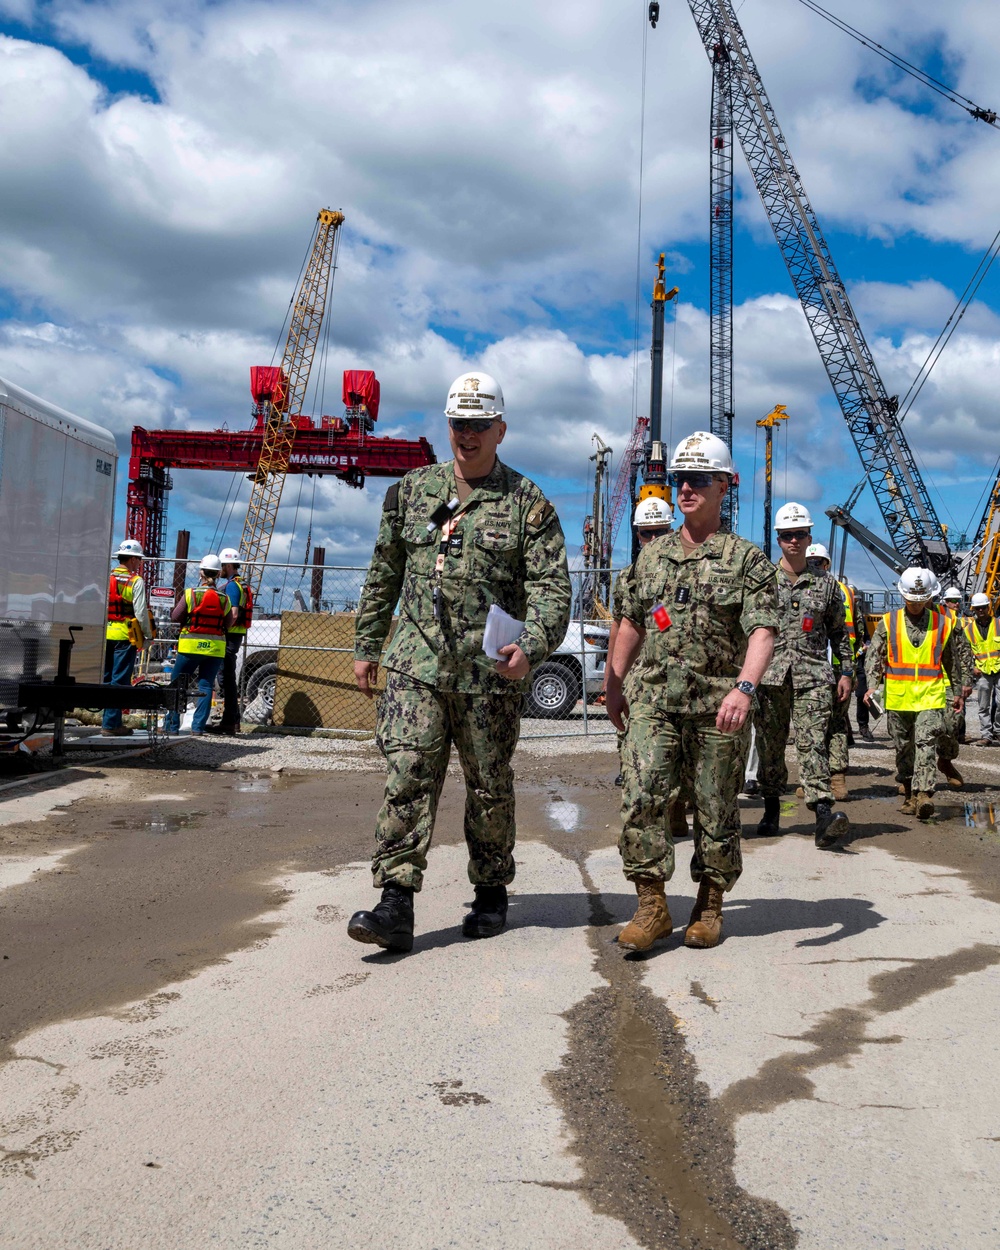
(952, 733)
(837, 737)
(916, 737)
(415, 731)
(663, 749)
(677, 811)
(778, 708)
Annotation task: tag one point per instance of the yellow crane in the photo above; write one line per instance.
(767, 424)
(278, 409)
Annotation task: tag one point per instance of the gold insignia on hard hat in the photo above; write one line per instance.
(472, 384)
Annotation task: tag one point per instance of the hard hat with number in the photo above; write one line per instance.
(210, 564)
(130, 547)
(979, 600)
(473, 396)
(702, 452)
(229, 555)
(918, 585)
(652, 513)
(816, 551)
(793, 516)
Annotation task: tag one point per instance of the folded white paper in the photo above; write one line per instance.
(501, 630)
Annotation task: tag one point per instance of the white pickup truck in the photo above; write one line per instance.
(577, 665)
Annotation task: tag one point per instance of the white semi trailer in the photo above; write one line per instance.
(57, 488)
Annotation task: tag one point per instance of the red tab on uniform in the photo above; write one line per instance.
(662, 617)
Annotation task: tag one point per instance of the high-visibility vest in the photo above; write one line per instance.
(915, 679)
(120, 609)
(985, 651)
(847, 594)
(244, 609)
(204, 632)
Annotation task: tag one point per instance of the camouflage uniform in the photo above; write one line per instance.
(716, 596)
(506, 547)
(798, 686)
(953, 732)
(837, 735)
(917, 735)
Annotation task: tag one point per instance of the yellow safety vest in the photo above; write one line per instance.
(847, 594)
(985, 651)
(120, 610)
(204, 632)
(915, 679)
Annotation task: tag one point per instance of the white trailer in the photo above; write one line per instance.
(57, 494)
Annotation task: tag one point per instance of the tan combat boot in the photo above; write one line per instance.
(955, 778)
(838, 784)
(705, 926)
(923, 806)
(651, 920)
(799, 792)
(906, 807)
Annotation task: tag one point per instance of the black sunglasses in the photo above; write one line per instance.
(697, 481)
(787, 536)
(650, 533)
(470, 425)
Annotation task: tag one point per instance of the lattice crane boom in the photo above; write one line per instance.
(277, 412)
(871, 414)
(621, 493)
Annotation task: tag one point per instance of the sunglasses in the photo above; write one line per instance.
(470, 425)
(697, 481)
(644, 533)
(790, 536)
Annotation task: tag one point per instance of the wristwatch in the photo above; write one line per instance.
(747, 688)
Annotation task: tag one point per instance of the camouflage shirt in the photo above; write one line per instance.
(804, 654)
(716, 596)
(506, 547)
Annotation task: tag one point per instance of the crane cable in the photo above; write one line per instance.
(949, 93)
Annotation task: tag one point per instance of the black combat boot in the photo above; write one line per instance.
(769, 822)
(390, 922)
(831, 826)
(489, 912)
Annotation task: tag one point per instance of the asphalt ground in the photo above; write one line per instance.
(193, 1053)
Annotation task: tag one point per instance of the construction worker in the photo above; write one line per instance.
(918, 651)
(954, 722)
(701, 606)
(839, 731)
(240, 597)
(652, 518)
(455, 539)
(984, 641)
(799, 687)
(129, 629)
(205, 615)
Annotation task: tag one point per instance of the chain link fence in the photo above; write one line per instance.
(296, 667)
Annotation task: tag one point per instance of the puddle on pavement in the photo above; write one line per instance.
(563, 815)
(259, 783)
(975, 814)
(159, 824)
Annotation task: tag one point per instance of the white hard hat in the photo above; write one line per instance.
(229, 555)
(979, 600)
(130, 547)
(652, 513)
(474, 395)
(918, 585)
(704, 453)
(816, 551)
(953, 592)
(793, 516)
(210, 564)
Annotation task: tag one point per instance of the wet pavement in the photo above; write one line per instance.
(193, 1053)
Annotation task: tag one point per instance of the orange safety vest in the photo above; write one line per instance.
(204, 632)
(120, 610)
(985, 651)
(915, 679)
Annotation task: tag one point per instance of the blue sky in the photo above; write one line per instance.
(166, 161)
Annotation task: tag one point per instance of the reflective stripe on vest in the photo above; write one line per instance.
(915, 680)
(120, 609)
(244, 609)
(204, 632)
(985, 651)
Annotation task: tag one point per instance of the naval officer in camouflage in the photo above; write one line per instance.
(700, 605)
(454, 539)
(799, 686)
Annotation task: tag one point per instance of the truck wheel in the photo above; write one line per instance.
(262, 681)
(553, 692)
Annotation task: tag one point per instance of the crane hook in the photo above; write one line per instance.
(654, 13)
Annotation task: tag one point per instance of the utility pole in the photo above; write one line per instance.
(767, 424)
